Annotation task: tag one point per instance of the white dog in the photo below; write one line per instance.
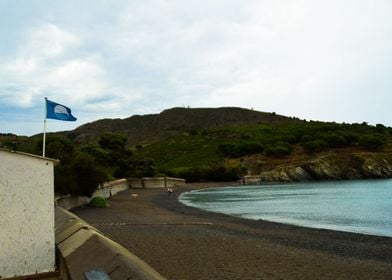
(134, 196)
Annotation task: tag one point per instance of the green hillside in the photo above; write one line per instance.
(212, 144)
(261, 146)
(155, 127)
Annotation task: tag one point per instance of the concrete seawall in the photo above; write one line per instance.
(82, 249)
(155, 182)
(111, 188)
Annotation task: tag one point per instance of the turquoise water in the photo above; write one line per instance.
(363, 206)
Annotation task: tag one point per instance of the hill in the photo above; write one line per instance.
(222, 144)
(279, 152)
(154, 127)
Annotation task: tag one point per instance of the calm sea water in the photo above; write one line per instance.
(363, 206)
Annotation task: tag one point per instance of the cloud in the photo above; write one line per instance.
(276, 57)
(312, 59)
(42, 49)
(40, 45)
(49, 40)
(47, 64)
(210, 51)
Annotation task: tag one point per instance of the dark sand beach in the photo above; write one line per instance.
(181, 242)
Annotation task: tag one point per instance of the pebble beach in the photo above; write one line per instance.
(182, 242)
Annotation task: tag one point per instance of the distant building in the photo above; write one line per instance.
(27, 244)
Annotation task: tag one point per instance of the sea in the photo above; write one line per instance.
(360, 206)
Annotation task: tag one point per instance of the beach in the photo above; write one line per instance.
(182, 242)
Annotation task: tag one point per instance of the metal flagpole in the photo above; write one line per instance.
(44, 140)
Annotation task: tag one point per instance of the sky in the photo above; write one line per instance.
(316, 60)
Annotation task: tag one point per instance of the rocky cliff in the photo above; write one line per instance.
(334, 167)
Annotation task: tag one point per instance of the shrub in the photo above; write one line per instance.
(372, 142)
(380, 128)
(219, 173)
(98, 201)
(240, 149)
(58, 147)
(279, 149)
(80, 177)
(113, 141)
(351, 137)
(314, 146)
(334, 140)
(100, 155)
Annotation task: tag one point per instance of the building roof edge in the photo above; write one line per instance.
(55, 161)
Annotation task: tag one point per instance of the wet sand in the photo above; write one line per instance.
(184, 243)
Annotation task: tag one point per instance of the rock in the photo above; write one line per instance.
(374, 168)
(323, 170)
(333, 167)
(298, 174)
(286, 174)
(276, 175)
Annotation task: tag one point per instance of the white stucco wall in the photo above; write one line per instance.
(27, 244)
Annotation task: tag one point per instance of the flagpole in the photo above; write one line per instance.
(44, 140)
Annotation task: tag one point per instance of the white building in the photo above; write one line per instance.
(27, 244)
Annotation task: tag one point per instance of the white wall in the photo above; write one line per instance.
(68, 202)
(27, 243)
(155, 182)
(174, 182)
(135, 183)
(107, 190)
(112, 188)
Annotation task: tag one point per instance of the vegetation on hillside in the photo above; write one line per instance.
(196, 154)
(83, 168)
(171, 122)
(196, 144)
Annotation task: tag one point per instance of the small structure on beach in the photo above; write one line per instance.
(27, 214)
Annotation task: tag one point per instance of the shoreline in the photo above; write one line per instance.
(179, 207)
(271, 221)
(183, 242)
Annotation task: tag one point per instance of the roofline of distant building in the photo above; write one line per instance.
(55, 161)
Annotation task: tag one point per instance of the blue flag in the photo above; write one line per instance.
(58, 112)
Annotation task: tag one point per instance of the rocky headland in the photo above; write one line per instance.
(333, 167)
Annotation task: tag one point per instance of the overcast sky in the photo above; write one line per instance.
(320, 60)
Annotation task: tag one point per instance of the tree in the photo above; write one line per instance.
(88, 175)
(124, 162)
(58, 147)
(372, 142)
(78, 173)
(113, 141)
